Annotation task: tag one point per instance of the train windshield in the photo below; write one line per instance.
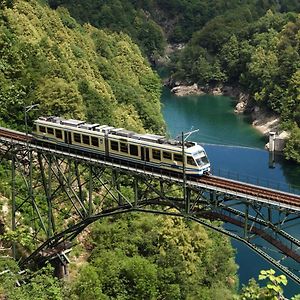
(202, 161)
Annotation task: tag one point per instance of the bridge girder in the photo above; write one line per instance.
(57, 196)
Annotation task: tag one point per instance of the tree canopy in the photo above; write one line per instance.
(73, 70)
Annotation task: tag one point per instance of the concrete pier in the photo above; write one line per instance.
(277, 141)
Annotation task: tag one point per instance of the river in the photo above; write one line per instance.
(235, 150)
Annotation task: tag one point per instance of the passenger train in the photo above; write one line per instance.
(147, 149)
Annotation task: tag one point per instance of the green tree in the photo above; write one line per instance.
(292, 147)
(40, 285)
(148, 257)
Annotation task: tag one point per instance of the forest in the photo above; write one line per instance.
(252, 44)
(92, 60)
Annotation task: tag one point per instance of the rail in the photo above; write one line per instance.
(231, 187)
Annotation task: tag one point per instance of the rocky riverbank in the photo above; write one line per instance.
(262, 120)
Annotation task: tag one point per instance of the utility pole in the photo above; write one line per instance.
(184, 136)
(26, 110)
(187, 205)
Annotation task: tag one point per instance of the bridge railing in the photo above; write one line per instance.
(255, 180)
(123, 164)
(111, 161)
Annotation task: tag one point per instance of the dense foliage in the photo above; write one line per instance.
(77, 71)
(262, 57)
(119, 16)
(252, 43)
(178, 19)
(176, 260)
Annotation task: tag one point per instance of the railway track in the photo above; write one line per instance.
(15, 135)
(252, 190)
(230, 185)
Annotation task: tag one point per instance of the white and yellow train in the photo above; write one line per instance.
(142, 149)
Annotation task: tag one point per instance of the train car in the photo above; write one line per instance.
(147, 149)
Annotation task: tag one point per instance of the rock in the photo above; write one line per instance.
(186, 90)
(243, 102)
(217, 91)
(265, 123)
(284, 135)
(240, 108)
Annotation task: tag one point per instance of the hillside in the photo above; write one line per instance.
(252, 44)
(76, 71)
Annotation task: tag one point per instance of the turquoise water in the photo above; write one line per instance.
(213, 116)
(235, 150)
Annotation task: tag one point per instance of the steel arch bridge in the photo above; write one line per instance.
(63, 191)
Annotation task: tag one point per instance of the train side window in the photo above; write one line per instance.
(43, 129)
(58, 133)
(134, 150)
(156, 154)
(167, 155)
(114, 145)
(50, 130)
(178, 157)
(77, 138)
(191, 161)
(95, 141)
(86, 139)
(124, 147)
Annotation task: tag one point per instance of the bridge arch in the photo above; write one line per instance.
(61, 184)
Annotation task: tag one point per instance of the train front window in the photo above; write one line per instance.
(205, 160)
(191, 161)
(202, 161)
(58, 133)
(43, 129)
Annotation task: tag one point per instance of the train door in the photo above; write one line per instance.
(145, 154)
(68, 137)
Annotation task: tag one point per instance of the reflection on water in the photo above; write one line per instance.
(235, 150)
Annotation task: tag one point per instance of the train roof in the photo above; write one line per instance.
(121, 132)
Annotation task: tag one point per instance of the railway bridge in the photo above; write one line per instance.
(58, 191)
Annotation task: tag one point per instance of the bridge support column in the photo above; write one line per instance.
(90, 210)
(187, 201)
(46, 181)
(60, 264)
(136, 192)
(77, 174)
(161, 184)
(213, 198)
(246, 222)
(51, 224)
(13, 197)
(116, 184)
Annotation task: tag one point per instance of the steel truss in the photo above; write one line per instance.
(57, 196)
